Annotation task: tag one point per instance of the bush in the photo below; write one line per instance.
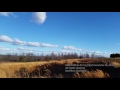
(114, 55)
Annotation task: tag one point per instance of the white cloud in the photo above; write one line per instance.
(4, 38)
(48, 45)
(29, 49)
(98, 52)
(71, 48)
(86, 51)
(64, 51)
(39, 17)
(5, 49)
(5, 13)
(20, 48)
(18, 42)
(37, 44)
(101, 53)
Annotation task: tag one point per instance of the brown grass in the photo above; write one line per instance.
(50, 69)
(116, 64)
(91, 74)
(7, 70)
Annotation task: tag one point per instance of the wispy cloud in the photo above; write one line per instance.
(35, 51)
(4, 38)
(21, 50)
(39, 17)
(5, 49)
(101, 53)
(87, 51)
(64, 51)
(71, 48)
(7, 14)
(18, 50)
(16, 41)
(37, 44)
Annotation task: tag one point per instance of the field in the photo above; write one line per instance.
(56, 69)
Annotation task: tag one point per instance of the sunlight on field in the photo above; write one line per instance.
(115, 64)
(45, 69)
(7, 69)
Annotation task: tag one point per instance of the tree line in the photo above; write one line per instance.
(32, 57)
(115, 55)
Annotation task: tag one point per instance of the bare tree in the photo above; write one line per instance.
(87, 55)
(93, 55)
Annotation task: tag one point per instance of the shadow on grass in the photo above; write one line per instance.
(56, 70)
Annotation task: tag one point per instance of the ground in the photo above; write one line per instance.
(100, 68)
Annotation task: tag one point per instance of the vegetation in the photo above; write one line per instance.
(53, 66)
(28, 57)
(115, 55)
(56, 69)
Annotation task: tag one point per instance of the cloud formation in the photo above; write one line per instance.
(16, 41)
(71, 48)
(99, 52)
(64, 51)
(4, 38)
(21, 50)
(18, 50)
(36, 51)
(39, 17)
(5, 13)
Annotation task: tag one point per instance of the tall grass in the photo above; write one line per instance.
(56, 69)
(91, 74)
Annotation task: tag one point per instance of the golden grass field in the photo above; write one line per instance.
(47, 69)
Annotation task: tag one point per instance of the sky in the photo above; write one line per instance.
(60, 32)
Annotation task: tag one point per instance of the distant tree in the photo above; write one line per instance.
(114, 55)
(87, 55)
(21, 58)
(53, 55)
(93, 55)
(81, 55)
(29, 54)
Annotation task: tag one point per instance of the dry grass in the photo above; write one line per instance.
(91, 74)
(7, 70)
(49, 69)
(116, 64)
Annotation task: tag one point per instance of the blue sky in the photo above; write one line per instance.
(44, 32)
